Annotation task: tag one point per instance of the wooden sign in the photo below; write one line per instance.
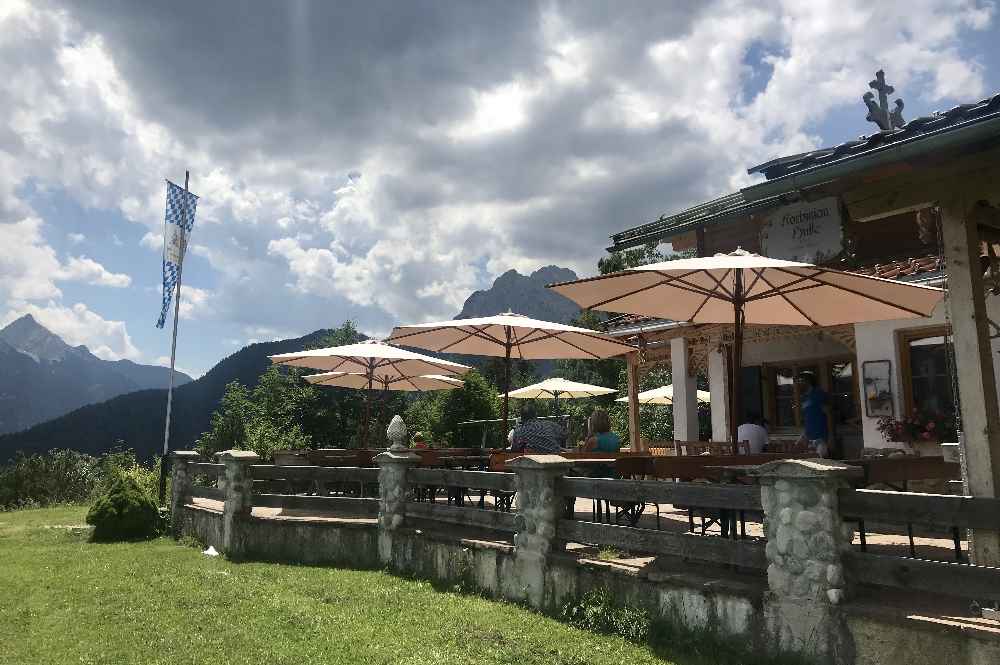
(811, 232)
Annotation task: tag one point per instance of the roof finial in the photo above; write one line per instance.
(880, 113)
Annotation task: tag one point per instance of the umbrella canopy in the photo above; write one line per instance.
(383, 362)
(747, 288)
(556, 388)
(665, 395)
(378, 362)
(409, 383)
(510, 336)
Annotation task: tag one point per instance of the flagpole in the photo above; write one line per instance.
(173, 349)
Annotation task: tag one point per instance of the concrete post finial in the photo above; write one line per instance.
(396, 433)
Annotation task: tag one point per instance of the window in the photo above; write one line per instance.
(843, 394)
(786, 393)
(926, 375)
(785, 407)
(836, 376)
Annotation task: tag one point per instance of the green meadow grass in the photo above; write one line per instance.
(65, 600)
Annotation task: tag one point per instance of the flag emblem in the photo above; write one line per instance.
(179, 221)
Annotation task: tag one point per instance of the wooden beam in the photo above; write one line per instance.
(956, 579)
(974, 362)
(633, 402)
(982, 214)
(742, 553)
(936, 510)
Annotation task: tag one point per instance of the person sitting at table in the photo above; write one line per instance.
(534, 435)
(419, 441)
(754, 432)
(600, 438)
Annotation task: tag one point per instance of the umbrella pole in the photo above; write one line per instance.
(506, 388)
(368, 409)
(737, 383)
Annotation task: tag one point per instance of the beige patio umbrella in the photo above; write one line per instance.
(510, 336)
(379, 363)
(557, 388)
(747, 288)
(665, 395)
(405, 383)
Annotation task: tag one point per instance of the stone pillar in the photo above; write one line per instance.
(685, 392)
(540, 508)
(974, 365)
(805, 541)
(393, 493)
(718, 386)
(239, 501)
(634, 434)
(180, 487)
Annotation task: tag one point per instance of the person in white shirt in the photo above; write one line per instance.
(753, 432)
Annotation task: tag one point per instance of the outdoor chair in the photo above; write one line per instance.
(632, 468)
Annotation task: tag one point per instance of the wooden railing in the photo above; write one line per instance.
(308, 488)
(946, 513)
(459, 484)
(215, 472)
(733, 498)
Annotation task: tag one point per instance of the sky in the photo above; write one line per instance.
(379, 161)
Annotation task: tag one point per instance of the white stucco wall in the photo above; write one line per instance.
(879, 341)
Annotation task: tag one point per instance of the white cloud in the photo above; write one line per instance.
(83, 269)
(75, 238)
(28, 266)
(79, 325)
(195, 302)
(577, 124)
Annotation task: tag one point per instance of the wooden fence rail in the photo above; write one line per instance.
(980, 582)
(701, 495)
(343, 506)
(741, 553)
(934, 510)
(485, 519)
(207, 468)
(505, 482)
(324, 473)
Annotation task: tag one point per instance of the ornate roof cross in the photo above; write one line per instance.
(880, 113)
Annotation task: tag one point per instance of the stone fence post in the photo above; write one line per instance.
(239, 500)
(540, 508)
(806, 539)
(180, 487)
(393, 493)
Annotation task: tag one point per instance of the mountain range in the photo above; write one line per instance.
(42, 377)
(137, 418)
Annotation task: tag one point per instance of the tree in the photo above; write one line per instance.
(438, 413)
(228, 426)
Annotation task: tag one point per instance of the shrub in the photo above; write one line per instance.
(597, 611)
(126, 512)
(59, 476)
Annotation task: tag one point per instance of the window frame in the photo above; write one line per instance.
(904, 338)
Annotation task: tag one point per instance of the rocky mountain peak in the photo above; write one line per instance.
(527, 295)
(32, 338)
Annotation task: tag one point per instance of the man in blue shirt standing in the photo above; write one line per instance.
(814, 406)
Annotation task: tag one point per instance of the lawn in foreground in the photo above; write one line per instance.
(64, 599)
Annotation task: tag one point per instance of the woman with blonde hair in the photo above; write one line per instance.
(601, 439)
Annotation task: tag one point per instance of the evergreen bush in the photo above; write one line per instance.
(126, 512)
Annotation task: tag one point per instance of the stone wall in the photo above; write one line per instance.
(802, 606)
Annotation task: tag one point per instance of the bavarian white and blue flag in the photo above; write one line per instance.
(181, 206)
